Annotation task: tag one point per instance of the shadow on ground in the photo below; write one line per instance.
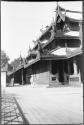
(11, 112)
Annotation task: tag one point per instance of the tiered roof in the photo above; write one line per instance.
(67, 32)
(53, 32)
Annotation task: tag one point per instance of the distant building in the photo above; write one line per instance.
(56, 57)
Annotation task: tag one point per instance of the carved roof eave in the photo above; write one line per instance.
(50, 57)
(59, 9)
(11, 73)
(72, 19)
(43, 33)
(68, 56)
(28, 56)
(54, 57)
(24, 66)
(60, 37)
(66, 17)
(31, 53)
(18, 68)
(33, 62)
(75, 53)
(66, 37)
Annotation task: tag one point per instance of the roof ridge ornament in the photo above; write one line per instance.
(72, 11)
(20, 58)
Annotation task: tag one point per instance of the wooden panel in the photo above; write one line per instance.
(28, 75)
(41, 73)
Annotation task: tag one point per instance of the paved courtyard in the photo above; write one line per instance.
(62, 105)
(10, 111)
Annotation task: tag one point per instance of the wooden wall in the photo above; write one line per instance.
(27, 75)
(40, 73)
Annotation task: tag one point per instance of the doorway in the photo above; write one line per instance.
(61, 71)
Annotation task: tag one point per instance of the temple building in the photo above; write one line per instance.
(55, 59)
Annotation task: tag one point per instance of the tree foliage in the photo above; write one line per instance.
(4, 59)
(10, 67)
(16, 63)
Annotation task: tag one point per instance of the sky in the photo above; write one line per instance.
(21, 23)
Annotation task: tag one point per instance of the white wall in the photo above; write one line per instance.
(3, 79)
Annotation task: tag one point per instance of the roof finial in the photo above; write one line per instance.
(65, 12)
(57, 3)
(29, 48)
(20, 53)
(21, 58)
(57, 6)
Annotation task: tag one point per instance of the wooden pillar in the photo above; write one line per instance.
(63, 73)
(68, 71)
(68, 68)
(75, 67)
(13, 80)
(50, 68)
(80, 34)
(79, 76)
(22, 77)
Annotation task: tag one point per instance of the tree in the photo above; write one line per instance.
(4, 59)
(17, 62)
(10, 67)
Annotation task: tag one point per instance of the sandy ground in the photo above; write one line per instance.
(62, 105)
